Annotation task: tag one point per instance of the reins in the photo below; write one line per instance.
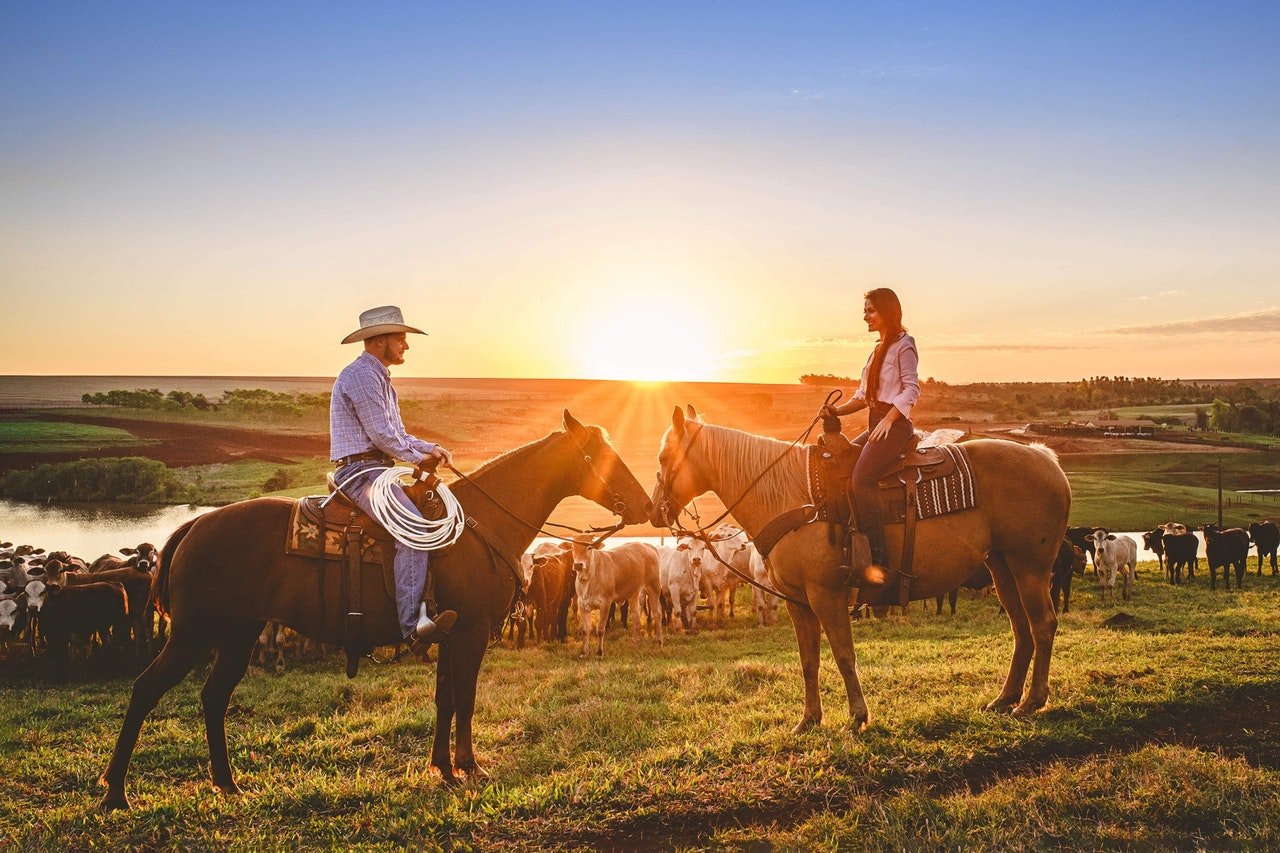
(605, 531)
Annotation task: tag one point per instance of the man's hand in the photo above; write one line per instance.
(828, 411)
(442, 455)
(881, 430)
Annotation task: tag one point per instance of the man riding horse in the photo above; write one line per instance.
(367, 435)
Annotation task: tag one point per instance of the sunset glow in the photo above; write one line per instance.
(637, 338)
(649, 191)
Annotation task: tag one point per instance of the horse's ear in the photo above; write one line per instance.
(691, 412)
(677, 419)
(571, 423)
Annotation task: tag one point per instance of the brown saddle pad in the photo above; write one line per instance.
(303, 537)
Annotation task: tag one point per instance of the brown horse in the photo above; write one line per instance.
(1023, 500)
(225, 574)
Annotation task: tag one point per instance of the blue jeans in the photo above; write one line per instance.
(410, 564)
(875, 459)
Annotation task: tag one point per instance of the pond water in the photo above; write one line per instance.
(89, 530)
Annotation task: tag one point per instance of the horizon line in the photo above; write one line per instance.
(581, 379)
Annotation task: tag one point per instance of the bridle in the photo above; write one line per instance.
(618, 504)
(663, 492)
(664, 482)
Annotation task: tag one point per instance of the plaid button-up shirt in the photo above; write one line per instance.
(364, 414)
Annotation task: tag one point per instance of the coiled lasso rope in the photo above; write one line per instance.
(408, 528)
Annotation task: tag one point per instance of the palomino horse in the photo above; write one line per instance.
(225, 574)
(1023, 499)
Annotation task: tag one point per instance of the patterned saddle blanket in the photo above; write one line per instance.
(943, 478)
(377, 547)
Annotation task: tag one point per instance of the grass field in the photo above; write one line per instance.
(35, 436)
(1135, 491)
(1165, 735)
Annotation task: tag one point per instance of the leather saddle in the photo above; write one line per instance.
(831, 464)
(338, 518)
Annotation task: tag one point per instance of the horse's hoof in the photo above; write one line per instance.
(475, 773)
(228, 788)
(110, 803)
(447, 777)
(1000, 706)
(859, 724)
(1026, 709)
(804, 725)
(113, 801)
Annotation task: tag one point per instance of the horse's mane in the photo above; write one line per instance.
(501, 457)
(537, 442)
(742, 456)
(1046, 450)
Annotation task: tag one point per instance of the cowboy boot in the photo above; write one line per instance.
(874, 572)
(428, 629)
(431, 630)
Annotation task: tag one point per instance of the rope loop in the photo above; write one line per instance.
(409, 528)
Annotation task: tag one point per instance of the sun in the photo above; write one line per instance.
(646, 339)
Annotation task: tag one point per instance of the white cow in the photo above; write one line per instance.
(604, 577)
(731, 544)
(681, 571)
(12, 619)
(766, 606)
(1115, 555)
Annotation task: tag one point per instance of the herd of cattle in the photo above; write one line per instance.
(658, 583)
(1177, 548)
(58, 604)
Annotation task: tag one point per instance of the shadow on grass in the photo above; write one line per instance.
(1235, 721)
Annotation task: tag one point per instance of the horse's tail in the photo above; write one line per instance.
(166, 557)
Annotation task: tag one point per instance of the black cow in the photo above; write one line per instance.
(1266, 538)
(1226, 549)
(1078, 536)
(1181, 551)
(1154, 540)
(80, 612)
(1070, 561)
(138, 585)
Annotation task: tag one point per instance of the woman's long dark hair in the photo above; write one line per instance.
(888, 306)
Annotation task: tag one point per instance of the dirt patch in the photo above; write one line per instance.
(179, 445)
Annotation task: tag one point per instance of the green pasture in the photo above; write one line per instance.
(226, 482)
(1177, 410)
(1135, 491)
(23, 436)
(1161, 735)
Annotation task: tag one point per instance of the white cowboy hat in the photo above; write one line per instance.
(380, 321)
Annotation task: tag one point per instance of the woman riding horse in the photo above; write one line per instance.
(889, 389)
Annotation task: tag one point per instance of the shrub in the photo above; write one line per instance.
(131, 478)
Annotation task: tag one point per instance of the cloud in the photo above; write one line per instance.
(807, 95)
(1164, 294)
(1267, 320)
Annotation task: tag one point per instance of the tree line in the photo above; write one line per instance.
(258, 401)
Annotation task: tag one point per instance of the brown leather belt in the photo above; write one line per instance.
(367, 456)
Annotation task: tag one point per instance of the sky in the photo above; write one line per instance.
(647, 190)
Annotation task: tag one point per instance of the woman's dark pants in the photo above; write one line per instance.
(874, 461)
